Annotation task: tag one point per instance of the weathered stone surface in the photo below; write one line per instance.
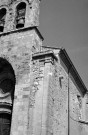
(42, 82)
(31, 16)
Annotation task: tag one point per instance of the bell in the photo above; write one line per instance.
(20, 23)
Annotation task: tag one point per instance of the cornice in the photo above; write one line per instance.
(46, 56)
(23, 30)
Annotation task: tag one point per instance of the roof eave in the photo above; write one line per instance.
(72, 70)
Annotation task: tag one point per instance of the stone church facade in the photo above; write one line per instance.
(41, 92)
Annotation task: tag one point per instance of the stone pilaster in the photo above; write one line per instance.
(39, 92)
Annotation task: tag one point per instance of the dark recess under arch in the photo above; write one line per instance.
(2, 19)
(5, 123)
(7, 85)
(20, 15)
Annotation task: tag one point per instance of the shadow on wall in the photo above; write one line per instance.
(7, 87)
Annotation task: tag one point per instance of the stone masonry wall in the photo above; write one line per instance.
(49, 95)
(17, 49)
(75, 109)
(35, 99)
(39, 97)
(58, 104)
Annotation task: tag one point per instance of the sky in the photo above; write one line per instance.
(64, 23)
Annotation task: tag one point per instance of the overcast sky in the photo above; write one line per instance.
(64, 23)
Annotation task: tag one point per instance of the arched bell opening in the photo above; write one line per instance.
(2, 19)
(20, 15)
(5, 123)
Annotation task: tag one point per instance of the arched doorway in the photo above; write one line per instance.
(7, 87)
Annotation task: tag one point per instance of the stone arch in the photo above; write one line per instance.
(20, 14)
(7, 79)
(3, 12)
(7, 88)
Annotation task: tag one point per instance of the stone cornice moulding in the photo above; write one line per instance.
(23, 30)
(45, 56)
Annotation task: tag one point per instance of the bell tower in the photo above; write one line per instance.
(19, 40)
(17, 14)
